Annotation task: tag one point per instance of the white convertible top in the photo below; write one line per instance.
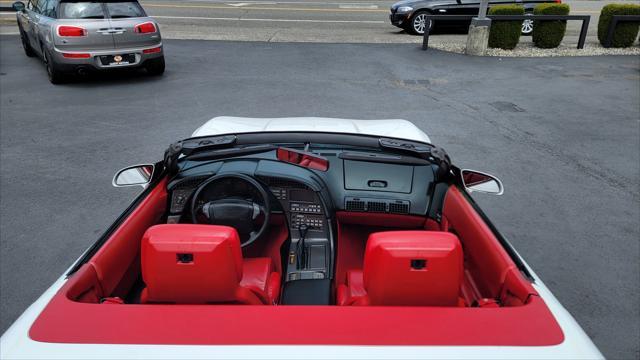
(395, 128)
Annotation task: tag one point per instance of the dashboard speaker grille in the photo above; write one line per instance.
(282, 183)
(376, 206)
(354, 205)
(399, 208)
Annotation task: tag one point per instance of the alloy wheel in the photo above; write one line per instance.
(420, 23)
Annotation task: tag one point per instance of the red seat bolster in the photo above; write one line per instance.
(353, 293)
(258, 276)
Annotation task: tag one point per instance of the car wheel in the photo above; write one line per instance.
(419, 23)
(55, 76)
(527, 26)
(28, 50)
(155, 67)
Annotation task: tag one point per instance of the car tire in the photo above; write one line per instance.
(527, 26)
(418, 23)
(28, 50)
(155, 67)
(55, 75)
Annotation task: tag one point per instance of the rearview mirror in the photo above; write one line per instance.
(133, 175)
(475, 181)
(18, 6)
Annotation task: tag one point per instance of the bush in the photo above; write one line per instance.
(548, 34)
(505, 34)
(626, 32)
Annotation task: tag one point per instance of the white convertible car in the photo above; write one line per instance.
(300, 238)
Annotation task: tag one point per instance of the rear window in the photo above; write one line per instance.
(124, 9)
(96, 10)
(81, 10)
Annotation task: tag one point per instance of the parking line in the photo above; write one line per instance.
(271, 20)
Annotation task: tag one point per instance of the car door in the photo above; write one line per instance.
(92, 18)
(468, 7)
(23, 20)
(131, 26)
(45, 19)
(30, 16)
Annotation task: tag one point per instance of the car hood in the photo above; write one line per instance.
(395, 128)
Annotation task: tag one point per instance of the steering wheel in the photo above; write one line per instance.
(230, 209)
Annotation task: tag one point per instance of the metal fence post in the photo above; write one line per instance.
(583, 32)
(425, 37)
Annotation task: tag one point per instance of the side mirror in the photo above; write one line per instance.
(133, 175)
(475, 181)
(18, 6)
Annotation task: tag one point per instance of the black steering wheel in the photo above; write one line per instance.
(214, 205)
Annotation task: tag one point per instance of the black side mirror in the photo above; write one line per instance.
(18, 6)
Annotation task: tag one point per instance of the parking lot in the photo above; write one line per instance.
(562, 134)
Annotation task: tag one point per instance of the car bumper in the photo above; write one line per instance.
(94, 60)
(399, 19)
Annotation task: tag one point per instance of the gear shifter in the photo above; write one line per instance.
(301, 254)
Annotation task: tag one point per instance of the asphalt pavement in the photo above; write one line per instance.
(562, 133)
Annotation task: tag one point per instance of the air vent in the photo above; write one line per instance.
(354, 205)
(376, 206)
(399, 207)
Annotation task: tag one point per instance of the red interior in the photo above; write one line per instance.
(509, 312)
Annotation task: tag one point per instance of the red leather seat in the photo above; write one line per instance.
(406, 268)
(197, 264)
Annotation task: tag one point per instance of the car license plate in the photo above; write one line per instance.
(123, 59)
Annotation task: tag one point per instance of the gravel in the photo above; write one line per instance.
(528, 50)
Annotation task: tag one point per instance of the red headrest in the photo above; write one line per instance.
(185, 263)
(419, 268)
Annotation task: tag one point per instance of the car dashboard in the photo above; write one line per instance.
(360, 182)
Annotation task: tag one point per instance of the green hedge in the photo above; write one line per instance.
(505, 34)
(548, 34)
(626, 32)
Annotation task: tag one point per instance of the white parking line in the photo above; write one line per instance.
(240, 4)
(357, 6)
(271, 20)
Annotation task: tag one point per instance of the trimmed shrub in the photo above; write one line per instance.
(548, 34)
(625, 32)
(505, 34)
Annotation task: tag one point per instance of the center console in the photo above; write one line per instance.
(309, 254)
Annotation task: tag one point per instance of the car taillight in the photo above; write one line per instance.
(76, 55)
(71, 31)
(152, 50)
(145, 28)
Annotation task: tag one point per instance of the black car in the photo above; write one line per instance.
(411, 15)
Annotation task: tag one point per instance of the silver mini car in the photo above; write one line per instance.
(74, 36)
